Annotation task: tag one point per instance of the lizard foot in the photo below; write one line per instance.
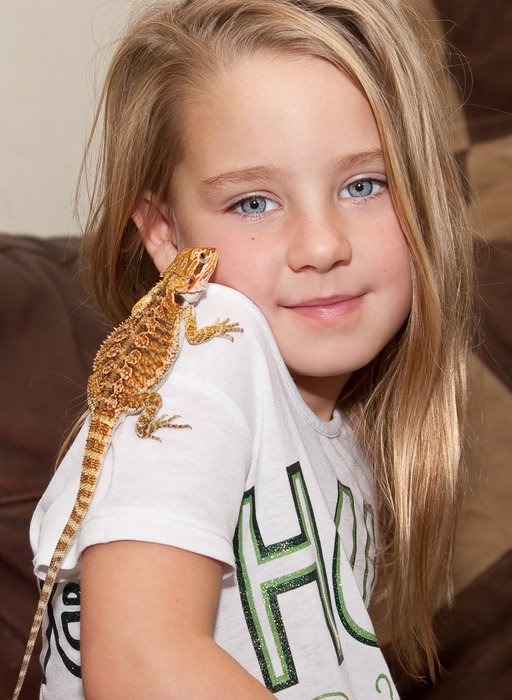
(146, 429)
(223, 328)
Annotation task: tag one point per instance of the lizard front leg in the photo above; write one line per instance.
(149, 403)
(219, 329)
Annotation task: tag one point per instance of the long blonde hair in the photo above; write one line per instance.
(407, 406)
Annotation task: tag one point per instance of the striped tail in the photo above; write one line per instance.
(98, 438)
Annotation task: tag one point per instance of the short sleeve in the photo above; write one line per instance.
(183, 489)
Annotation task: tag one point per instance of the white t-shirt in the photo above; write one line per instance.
(260, 483)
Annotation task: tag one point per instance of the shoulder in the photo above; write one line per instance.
(222, 302)
(237, 367)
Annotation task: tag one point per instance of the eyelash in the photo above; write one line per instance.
(248, 198)
(361, 181)
(381, 183)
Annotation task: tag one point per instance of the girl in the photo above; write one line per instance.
(303, 140)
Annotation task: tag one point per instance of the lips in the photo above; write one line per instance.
(327, 308)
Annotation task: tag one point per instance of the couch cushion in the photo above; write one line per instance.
(49, 336)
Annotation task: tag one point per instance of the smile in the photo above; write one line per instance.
(327, 309)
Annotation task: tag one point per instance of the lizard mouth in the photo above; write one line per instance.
(203, 271)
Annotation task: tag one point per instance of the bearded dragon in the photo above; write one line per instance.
(128, 369)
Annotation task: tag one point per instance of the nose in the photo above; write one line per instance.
(318, 242)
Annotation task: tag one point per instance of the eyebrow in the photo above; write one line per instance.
(364, 159)
(255, 174)
(260, 173)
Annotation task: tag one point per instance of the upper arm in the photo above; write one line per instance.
(144, 606)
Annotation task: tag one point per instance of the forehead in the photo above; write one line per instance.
(299, 99)
(259, 73)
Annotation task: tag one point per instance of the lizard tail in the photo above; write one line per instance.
(98, 438)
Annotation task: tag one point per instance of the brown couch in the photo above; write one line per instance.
(48, 338)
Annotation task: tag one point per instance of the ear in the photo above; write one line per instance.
(154, 222)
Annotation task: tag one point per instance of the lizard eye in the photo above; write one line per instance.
(202, 257)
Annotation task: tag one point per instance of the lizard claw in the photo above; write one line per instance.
(225, 327)
(168, 422)
(147, 430)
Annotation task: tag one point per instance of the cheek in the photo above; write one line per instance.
(391, 251)
(399, 277)
(391, 267)
(243, 270)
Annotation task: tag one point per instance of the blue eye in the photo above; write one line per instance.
(361, 189)
(254, 205)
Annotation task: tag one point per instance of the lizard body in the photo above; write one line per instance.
(128, 369)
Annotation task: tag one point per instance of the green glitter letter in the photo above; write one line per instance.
(352, 627)
(261, 602)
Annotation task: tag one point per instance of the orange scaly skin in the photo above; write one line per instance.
(130, 366)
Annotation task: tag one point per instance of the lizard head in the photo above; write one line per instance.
(190, 271)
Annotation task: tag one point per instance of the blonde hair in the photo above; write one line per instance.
(407, 406)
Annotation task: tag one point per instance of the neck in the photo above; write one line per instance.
(320, 394)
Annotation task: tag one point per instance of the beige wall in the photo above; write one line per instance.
(52, 55)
